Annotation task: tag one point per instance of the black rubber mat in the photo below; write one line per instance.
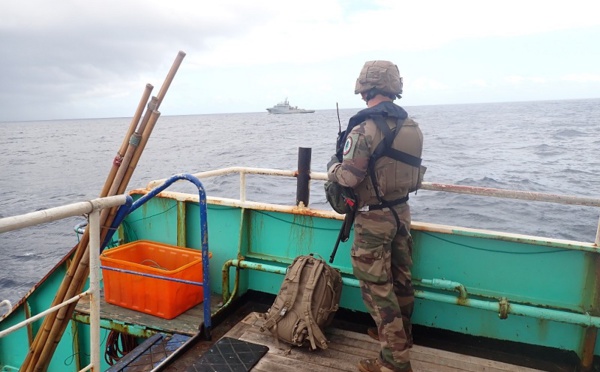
(229, 355)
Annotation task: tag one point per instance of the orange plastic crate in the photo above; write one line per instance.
(159, 297)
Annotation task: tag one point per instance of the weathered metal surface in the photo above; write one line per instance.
(303, 177)
(432, 186)
(181, 224)
(513, 194)
(218, 201)
(57, 213)
(115, 325)
(503, 236)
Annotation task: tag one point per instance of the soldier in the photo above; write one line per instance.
(380, 161)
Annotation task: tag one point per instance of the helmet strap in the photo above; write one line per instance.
(371, 93)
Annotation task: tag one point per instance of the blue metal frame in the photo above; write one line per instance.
(124, 211)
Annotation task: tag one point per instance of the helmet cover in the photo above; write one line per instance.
(382, 75)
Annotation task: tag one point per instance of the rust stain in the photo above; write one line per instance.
(120, 327)
(301, 233)
(503, 308)
(259, 267)
(303, 211)
(462, 301)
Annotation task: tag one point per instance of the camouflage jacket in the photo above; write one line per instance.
(395, 179)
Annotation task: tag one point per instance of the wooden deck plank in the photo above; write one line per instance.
(338, 357)
(347, 348)
(277, 363)
(319, 360)
(460, 362)
(187, 323)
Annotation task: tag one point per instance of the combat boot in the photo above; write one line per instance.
(376, 365)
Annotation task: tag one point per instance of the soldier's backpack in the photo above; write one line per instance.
(306, 303)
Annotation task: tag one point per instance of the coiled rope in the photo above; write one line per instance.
(118, 345)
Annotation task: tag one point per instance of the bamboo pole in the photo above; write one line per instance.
(55, 324)
(136, 156)
(163, 89)
(119, 158)
(59, 325)
(132, 125)
(61, 293)
(125, 173)
(42, 336)
(118, 179)
(133, 144)
(82, 271)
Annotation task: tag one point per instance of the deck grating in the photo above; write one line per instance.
(149, 354)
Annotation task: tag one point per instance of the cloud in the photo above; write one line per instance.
(79, 50)
(517, 80)
(582, 78)
(78, 58)
(425, 84)
(478, 83)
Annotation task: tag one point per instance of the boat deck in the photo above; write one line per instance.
(348, 345)
(347, 348)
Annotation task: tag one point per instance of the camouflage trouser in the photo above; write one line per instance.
(381, 260)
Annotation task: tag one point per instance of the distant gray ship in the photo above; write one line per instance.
(285, 108)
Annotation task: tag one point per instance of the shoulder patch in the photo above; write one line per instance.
(348, 145)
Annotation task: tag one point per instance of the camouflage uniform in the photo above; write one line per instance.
(382, 251)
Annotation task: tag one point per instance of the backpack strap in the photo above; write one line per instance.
(385, 148)
(404, 157)
(314, 331)
(381, 149)
(293, 279)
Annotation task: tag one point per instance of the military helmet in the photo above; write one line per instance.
(381, 75)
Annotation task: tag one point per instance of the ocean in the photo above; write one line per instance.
(546, 146)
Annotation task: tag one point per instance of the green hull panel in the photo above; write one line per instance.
(481, 283)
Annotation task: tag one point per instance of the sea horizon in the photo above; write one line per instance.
(358, 108)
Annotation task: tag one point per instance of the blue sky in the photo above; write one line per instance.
(84, 59)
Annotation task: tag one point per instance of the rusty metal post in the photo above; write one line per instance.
(303, 179)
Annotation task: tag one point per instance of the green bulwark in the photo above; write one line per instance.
(502, 286)
(482, 283)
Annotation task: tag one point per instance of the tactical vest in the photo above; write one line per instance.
(394, 169)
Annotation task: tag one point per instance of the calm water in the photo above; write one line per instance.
(550, 146)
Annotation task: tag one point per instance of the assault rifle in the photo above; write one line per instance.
(339, 145)
(344, 233)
